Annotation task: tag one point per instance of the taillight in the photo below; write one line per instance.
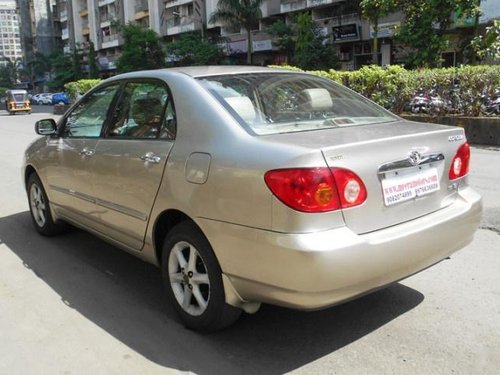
(460, 163)
(316, 189)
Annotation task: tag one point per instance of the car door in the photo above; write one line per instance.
(69, 172)
(130, 159)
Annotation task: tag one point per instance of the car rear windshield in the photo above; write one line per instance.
(270, 103)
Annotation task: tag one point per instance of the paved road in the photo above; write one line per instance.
(75, 305)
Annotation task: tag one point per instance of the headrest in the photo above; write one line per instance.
(243, 107)
(318, 99)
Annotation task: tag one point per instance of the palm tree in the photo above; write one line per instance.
(238, 13)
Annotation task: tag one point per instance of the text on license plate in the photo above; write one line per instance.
(402, 188)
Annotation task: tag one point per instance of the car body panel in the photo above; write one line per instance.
(319, 269)
(124, 203)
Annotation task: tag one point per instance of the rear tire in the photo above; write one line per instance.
(40, 208)
(193, 280)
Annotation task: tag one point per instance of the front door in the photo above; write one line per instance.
(69, 175)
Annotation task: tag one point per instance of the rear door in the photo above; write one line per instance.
(129, 161)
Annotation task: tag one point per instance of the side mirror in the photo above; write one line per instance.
(46, 127)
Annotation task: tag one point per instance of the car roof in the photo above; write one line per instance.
(202, 71)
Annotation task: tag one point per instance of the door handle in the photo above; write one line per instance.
(86, 152)
(151, 158)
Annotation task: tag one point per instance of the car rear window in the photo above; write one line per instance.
(270, 103)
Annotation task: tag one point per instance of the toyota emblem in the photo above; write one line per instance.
(415, 158)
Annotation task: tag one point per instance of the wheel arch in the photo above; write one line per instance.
(28, 171)
(163, 224)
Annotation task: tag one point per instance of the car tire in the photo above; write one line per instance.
(192, 278)
(40, 208)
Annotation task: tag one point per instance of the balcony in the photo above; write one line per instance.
(65, 34)
(84, 12)
(141, 6)
(67, 49)
(102, 3)
(315, 3)
(109, 41)
(63, 16)
(345, 19)
(177, 27)
(85, 30)
(175, 3)
(292, 5)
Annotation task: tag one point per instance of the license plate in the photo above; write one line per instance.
(406, 187)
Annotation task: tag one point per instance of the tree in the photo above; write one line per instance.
(190, 49)
(10, 72)
(488, 45)
(283, 38)
(312, 50)
(424, 26)
(373, 11)
(66, 68)
(142, 49)
(237, 13)
(37, 67)
(91, 59)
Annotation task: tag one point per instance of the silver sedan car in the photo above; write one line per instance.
(251, 185)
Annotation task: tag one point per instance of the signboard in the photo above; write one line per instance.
(385, 30)
(345, 33)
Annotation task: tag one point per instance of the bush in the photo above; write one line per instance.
(77, 88)
(393, 87)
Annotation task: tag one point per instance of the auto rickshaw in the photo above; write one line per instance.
(17, 101)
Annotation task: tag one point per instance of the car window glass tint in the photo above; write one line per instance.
(88, 117)
(141, 111)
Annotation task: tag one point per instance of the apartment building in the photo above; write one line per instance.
(10, 37)
(85, 21)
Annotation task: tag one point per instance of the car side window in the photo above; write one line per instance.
(145, 111)
(88, 118)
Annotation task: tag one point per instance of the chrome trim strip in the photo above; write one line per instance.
(73, 193)
(406, 163)
(121, 209)
(112, 206)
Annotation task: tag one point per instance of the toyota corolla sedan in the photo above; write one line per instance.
(251, 185)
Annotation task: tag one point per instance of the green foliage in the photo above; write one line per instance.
(10, 72)
(394, 86)
(283, 36)
(237, 13)
(373, 11)
(311, 48)
(488, 45)
(91, 58)
(423, 27)
(80, 87)
(142, 49)
(66, 68)
(190, 49)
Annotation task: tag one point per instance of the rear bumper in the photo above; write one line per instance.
(316, 270)
(24, 109)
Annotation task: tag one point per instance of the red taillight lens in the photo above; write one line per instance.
(316, 189)
(352, 190)
(460, 163)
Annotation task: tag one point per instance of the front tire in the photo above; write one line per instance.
(40, 208)
(193, 281)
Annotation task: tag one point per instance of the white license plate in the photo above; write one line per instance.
(403, 188)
